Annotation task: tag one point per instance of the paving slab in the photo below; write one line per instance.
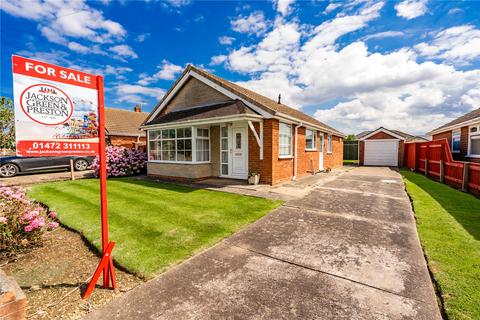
(233, 283)
(339, 252)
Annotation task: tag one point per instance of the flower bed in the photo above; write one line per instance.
(22, 221)
(122, 162)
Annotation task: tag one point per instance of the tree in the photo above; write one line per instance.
(350, 137)
(7, 124)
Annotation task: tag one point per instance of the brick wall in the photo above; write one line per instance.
(334, 159)
(462, 155)
(12, 299)
(274, 170)
(127, 141)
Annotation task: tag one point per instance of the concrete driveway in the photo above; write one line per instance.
(347, 250)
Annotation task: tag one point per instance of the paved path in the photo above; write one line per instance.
(347, 250)
(28, 179)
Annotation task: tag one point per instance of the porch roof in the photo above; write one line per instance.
(214, 111)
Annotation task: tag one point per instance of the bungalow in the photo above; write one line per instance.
(206, 126)
(463, 136)
(122, 127)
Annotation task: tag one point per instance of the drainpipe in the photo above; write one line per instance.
(295, 153)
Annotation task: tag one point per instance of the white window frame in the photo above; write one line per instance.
(456, 134)
(196, 137)
(329, 143)
(193, 140)
(289, 155)
(314, 142)
(475, 136)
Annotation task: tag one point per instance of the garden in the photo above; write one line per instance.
(448, 224)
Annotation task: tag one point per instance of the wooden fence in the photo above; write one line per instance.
(350, 150)
(434, 159)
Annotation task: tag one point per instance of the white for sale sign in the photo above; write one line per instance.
(56, 110)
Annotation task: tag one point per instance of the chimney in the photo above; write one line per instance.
(279, 98)
(137, 108)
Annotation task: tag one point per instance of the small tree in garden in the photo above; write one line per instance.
(122, 162)
(22, 221)
(7, 124)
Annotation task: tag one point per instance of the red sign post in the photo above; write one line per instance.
(60, 112)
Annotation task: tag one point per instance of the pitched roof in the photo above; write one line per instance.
(466, 117)
(232, 107)
(266, 104)
(406, 136)
(124, 123)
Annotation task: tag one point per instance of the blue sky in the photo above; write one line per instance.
(409, 65)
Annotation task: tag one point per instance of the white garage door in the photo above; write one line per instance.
(381, 153)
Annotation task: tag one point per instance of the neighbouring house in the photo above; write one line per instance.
(206, 126)
(383, 147)
(123, 127)
(463, 136)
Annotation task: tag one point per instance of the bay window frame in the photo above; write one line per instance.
(193, 139)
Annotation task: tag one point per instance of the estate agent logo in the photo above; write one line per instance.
(46, 104)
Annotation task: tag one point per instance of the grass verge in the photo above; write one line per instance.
(448, 223)
(153, 224)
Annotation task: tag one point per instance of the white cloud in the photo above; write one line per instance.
(254, 23)
(284, 7)
(216, 60)
(385, 34)
(124, 50)
(133, 89)
(410, 9)
(367, 89)
(225, 40)
(167, 71)
(117, 70)
(142, 37)
(61, 20)
(459, 44)
(331, 7)
(75, 46)
(179, 3)
(455, 11)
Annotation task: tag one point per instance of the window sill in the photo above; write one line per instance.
(329, 152)
(311, 150)
(456, 151)
(179, 162)
(285, 157)
(473, 156)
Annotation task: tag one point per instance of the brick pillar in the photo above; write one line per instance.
(12, 299)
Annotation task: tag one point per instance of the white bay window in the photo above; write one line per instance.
(176, 145)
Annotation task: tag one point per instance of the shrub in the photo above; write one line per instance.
(122, 162)
(22, 221)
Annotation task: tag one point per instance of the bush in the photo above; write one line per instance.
(22, 221)
(122, 162)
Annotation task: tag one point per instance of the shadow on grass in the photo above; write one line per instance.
(464, 207)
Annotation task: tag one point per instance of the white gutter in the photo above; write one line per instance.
(282, 116)
(295, 154)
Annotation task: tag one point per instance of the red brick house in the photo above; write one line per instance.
(383, 147)
(206, 126)
(463, 136)
(123, 127)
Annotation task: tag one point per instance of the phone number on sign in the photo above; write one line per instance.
(61, 145)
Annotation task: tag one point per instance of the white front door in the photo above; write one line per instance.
(239, 153)
(320, 154)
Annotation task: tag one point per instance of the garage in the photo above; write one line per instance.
(382, 147)
(381, 153)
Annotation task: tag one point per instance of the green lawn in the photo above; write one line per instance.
(153, 224)
(350, 162)
(448, 222)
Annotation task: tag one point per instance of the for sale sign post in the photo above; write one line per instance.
(60, 112)
(56, 110)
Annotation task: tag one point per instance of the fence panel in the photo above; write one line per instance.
(350, 150)
(435, 154)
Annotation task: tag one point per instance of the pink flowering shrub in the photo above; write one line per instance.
(122, 162)
(22, 221)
